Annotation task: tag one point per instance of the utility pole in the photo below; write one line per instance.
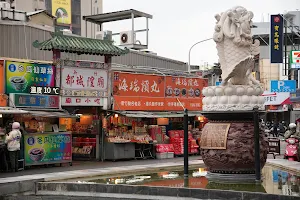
(186, 143)
(285, 50)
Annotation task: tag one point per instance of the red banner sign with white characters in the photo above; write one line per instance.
(157, 93)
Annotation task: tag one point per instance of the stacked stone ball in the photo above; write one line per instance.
(233, 95)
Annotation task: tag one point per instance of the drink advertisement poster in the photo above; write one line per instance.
(62, 10)
(21, 76)
(47, 148)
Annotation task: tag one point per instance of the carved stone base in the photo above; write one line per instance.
(238, 157)
(232, 98)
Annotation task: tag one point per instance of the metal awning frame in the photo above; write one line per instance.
(11, 110)
(100, 19)
(115, 16)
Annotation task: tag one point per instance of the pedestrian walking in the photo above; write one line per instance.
(13, 145)
(275, 129)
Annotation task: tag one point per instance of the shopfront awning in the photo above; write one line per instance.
(51, 113)
(11, 110)
(142, 114)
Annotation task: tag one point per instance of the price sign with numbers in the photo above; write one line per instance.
(44, 90)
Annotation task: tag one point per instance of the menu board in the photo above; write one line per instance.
(214, 136)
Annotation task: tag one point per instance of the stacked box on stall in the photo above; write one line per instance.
(194, 147)
(177, 139)
(164, 133)
(178, 144)
(156, 134)
(164, 151)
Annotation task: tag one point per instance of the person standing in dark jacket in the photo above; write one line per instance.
(275, 127)
(3, 163)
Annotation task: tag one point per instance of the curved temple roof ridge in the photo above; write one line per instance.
(79, 45)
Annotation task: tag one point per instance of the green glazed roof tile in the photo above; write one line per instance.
(80, 45)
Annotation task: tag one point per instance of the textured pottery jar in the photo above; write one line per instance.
(239, 157)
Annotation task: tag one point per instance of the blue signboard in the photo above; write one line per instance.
(283, 86)
(41, 101)
(218, 83)
(276, 39)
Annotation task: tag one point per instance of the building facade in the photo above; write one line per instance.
(28, 5)
(76, 10)
(17, 38)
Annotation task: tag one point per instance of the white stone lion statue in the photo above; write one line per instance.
(236, 49)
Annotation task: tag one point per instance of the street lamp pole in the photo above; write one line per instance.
(189, 63)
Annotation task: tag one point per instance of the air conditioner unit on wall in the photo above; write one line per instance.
(103, 35)
(126, 38)
(99, 35)
(4, 5)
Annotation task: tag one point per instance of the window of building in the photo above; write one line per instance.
(48, 4)
(76, 6)
(76, 19)
(76, 31)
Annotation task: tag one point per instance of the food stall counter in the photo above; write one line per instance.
(119, 150)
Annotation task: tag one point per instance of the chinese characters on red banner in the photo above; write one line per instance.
(126, 84)
(184, 87)
(156, 103)
(145, 86)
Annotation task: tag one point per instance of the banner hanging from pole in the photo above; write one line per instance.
(276, 39)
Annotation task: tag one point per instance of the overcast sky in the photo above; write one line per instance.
(178, 24)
